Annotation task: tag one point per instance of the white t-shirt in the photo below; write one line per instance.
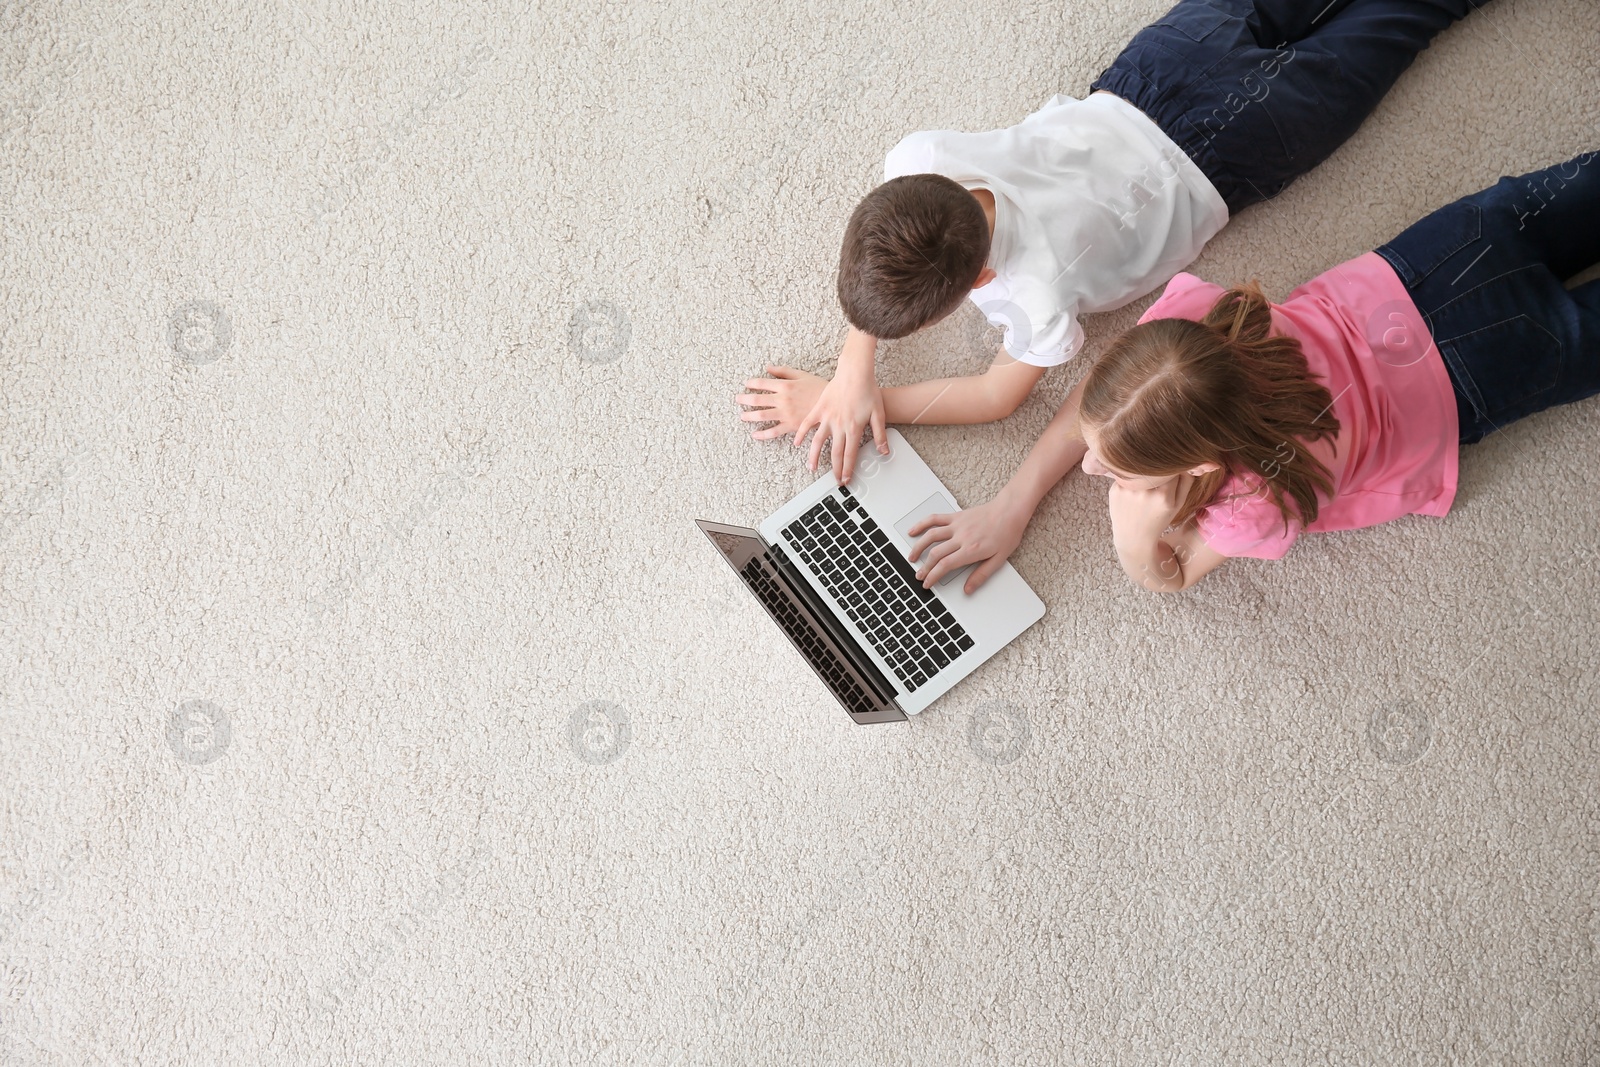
(1094, 207)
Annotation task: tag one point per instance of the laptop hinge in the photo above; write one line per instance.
(845, 641)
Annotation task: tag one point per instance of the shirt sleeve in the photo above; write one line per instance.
(1185, 297)
(913, 155)
(1057, 346)
(1041, 337)
(1243, 521)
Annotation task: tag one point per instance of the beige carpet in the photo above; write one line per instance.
(368, 695)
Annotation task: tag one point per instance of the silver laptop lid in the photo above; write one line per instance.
(831, 650)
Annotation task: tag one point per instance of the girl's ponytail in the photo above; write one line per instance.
(1241, 315)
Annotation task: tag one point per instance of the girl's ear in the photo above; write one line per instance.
(1204, 468)
(985, 276)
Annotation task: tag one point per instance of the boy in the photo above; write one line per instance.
(1089, 204)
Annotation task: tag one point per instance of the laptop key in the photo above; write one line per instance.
(867, 575)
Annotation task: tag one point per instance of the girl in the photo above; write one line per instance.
(1230, 425)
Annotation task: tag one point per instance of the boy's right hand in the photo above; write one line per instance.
(848, 404)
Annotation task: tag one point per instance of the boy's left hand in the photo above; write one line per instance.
(786, 398)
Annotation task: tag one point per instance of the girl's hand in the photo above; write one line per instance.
(986, 535)
(1143, 515)
(785, 398)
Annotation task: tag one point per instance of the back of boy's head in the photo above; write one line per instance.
(912, 250)
(1173, 394)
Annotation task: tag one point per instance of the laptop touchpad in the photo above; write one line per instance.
(937, 504)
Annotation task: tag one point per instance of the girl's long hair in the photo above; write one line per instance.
(1172, 394)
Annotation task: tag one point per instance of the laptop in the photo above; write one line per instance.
(831, 568)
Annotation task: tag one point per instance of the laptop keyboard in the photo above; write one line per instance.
(776, 598)
(863, 570)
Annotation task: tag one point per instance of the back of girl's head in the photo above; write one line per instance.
(1172, 394)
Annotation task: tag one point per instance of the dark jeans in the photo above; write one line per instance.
(1257, 92)
(1487, 273)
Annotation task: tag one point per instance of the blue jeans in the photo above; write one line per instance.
(1257, 92)
(1488, 272)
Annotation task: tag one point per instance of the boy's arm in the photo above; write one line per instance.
(961, 401)
(793, 401)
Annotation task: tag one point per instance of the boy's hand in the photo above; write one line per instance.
(986, 535)
(785, 399)
(846, 406)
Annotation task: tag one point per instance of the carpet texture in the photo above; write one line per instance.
(369, 696)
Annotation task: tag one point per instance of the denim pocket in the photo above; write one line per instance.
(1248, 138)
(1505, 368)
(1307, 105)
(1424, 246)
(1194, 19)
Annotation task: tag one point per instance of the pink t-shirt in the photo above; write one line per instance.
(1395, 453)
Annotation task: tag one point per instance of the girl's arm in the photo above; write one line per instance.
(988, 534)
(1195, 558)
(1059, 449)
(1156, 559)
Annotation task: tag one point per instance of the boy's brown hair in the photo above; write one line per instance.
(1172, 394)
(912, 250)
